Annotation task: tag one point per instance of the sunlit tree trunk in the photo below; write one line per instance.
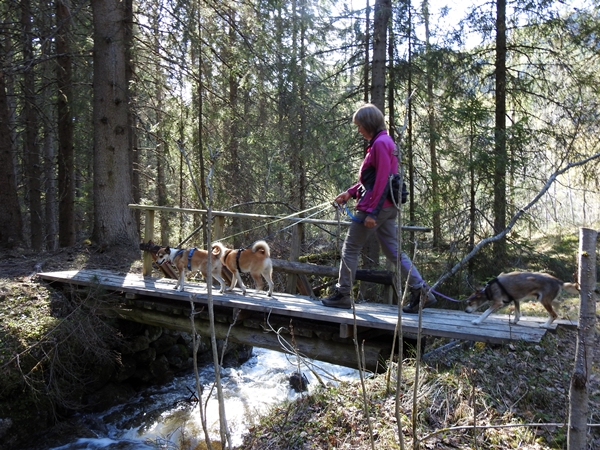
(586, 333)
(114, 223)
(383, 13)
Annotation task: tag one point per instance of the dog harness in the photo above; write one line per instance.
(502, 288)
(190, 254)
(237, 259)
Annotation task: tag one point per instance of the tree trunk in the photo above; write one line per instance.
(10, 213)
(50, 189)
(472, 195)
(162, 148)
(500, 134)
(383, 13)
(584, 352)
(409, 139)
(66, 158)
(114, 223)
(367, 47)
(131, 120)
(197, 61)
(391, 86)
(31, 150)
(435, 191)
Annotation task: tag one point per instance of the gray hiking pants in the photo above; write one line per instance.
(386, 232)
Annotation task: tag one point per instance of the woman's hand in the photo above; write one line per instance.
(342, 198)
(370, 222)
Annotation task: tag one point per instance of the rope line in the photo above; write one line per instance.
(324, 206)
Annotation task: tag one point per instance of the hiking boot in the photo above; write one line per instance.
(415, 298)
(338, 300)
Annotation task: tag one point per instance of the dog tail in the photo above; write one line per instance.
(218, 249)
(571, 288)
(261, 246)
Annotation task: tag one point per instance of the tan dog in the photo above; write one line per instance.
(191, 260)
(515, 286)
(256, 260)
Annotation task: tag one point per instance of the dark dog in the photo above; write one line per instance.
(256, 260)
(515, 286)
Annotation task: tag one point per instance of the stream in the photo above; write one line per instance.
(160, 417)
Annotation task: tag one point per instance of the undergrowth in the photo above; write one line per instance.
(510, 386)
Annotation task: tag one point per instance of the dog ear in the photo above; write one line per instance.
(168, 249)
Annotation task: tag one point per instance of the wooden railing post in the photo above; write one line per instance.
(292, 278)
(148, 236)
(579, 390)
(218, 228)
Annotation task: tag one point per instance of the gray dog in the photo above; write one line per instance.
(515, 286)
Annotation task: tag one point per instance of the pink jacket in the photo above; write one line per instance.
(382, 157)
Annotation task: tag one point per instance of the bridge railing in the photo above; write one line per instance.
(218, 232)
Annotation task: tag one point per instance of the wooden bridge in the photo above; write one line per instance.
(285, 322)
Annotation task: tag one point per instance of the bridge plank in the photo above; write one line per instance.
(434, 322)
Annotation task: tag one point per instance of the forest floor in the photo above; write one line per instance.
(503, 389)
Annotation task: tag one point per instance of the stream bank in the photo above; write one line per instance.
(144, 357)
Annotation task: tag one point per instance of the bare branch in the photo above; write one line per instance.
(514, 219)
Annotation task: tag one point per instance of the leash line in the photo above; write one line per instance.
(445, 296)
(324, 206)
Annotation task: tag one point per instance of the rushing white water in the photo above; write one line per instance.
(160, 417)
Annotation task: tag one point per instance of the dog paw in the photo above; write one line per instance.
(475, 322)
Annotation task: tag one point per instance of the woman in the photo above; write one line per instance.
(376, 213)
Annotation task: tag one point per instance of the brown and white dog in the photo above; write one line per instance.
(515, 286)
(191, 260)
(255, 259)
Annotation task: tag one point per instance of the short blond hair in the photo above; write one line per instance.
(370, 118)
